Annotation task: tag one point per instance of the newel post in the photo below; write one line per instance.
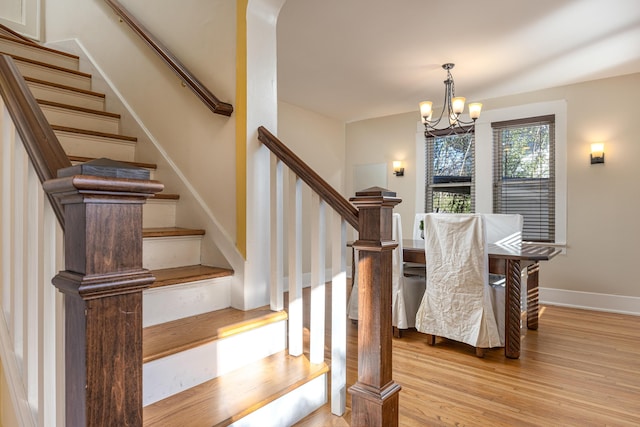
(375, 395)
(102, 285)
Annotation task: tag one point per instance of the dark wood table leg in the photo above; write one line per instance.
(532, 295)
(512, 310)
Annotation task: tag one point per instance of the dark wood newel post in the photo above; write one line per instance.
(102, 285)
(375, 396)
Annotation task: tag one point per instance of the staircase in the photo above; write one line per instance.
(204, 363)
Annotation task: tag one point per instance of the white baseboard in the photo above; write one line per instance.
(591, 301)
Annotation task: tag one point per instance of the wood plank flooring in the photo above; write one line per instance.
(581, 368)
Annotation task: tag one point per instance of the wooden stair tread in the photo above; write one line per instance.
(9, 33)
(171, 232)
(137, 164)
(50, 66)
(226, 399)
(191, 273)
(38, 46)
(93, 133)
(182, 334)
(165, 196)
(79, 109)
(65, 87)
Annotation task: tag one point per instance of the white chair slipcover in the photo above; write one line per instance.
(457, 303)
(406, 292)
(502, 229)
(417, 233)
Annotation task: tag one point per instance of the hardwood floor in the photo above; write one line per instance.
(581, 368)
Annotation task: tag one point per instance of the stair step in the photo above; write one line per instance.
(168, 247)
(60, 114)
(227, 399)
(171, 232)
(9, 33)
(186, 291)
(191, 273)
(190, 351)
(27, 49)
(52, 73)
(81, 159)
(86, 143)
(70, 95)
(182, 334)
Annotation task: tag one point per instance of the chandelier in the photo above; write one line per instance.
(451, 111)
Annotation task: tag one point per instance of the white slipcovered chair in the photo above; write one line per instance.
(457, 303)
(417, 233)
(406, 291)
(503, 229)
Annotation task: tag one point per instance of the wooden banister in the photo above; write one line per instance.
(42, 145)
(329, 194)
(209, 99)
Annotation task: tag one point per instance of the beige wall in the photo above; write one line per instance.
(602, 200)
(202, 35)
(320, 142)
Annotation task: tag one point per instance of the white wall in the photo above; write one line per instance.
(602, 200)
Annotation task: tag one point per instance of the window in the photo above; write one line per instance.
(524, 174)
(449, 173)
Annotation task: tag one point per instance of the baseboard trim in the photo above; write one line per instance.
(591, 301)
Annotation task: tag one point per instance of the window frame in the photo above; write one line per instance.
(484, 158)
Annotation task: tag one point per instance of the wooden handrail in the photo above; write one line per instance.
(310, 177)
(209, 99)
(41, 144)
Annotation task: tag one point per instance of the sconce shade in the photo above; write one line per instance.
(398, 169)
(597, 153)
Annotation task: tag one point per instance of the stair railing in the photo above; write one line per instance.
(188, 79)
(375, 394)
(31, 325)
(72, 357)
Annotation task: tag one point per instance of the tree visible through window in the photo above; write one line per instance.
(524, 174)
(449, 177)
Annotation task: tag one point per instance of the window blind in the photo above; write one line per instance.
(524, 174)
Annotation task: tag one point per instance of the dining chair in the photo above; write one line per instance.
(406, 291)
(457, 303)
(417, 232)
(506, 230)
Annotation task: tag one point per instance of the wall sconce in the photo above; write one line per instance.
(597, 153)
(398, 169)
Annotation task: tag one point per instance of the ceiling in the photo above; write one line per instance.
(358, 59)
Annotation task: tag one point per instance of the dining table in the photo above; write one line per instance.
(507, 260)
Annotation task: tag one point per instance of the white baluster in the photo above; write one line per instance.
(277, 234)
(338, 315)
(318, 254)
(295, 265)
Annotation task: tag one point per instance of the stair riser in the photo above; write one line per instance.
(290, 408)
(159, 213)
(170, 303)
(151, 176)
(96, 147)
(173, 374)
(169, 252)
(37, 54)
(81, 120)
(63, 96)
(53, 75)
